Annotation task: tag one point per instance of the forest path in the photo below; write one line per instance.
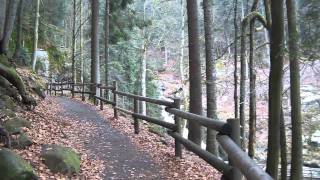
(122, 159)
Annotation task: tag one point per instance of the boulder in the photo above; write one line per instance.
(61, 159)
(13, 167)
(22, 142)
(14, 125)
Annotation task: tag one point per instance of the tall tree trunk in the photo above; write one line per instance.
(8, 25)
(235, 62)
(81, 43)
(95, 71)
(3, 8)
(194, 70)
(283, 146)
(35, 36)
(143, 64)
(106, 43)
(73, 43)
(295, 99)
(275, 86)
(252, 88)
(212, 145)
(19, 29)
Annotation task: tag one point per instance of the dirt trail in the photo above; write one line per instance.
(121, 157)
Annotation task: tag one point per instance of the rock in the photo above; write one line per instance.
(61, 159)
(7, 102)
(22, 142)
(14, 125)
(7, 113)
(14, 167)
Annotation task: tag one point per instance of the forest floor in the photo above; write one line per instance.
(108, 147)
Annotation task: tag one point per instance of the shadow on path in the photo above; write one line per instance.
(121, 157)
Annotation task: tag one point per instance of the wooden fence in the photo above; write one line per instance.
(228, 132)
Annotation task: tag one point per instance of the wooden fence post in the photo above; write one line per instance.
(101, 96)
(72, 89)
(50, 89)
(177, 122)
(55, 89)
(235, 136)
(136, 121)
(115, 112)
(94, 94)
(82, 93)
(61, 88)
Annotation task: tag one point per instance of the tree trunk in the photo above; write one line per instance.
(143, 65)
(35, 36)
(81, 43)
(194, 70)
(275, 86)
(106, 43)
(3, 8)
(95, 76)
(212, 145)
(235, 63)
(295, 99)
(73, 43)
(283, 146)
(19, 29)
(8, 25)
(252, 88)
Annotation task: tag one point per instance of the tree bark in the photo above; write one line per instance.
(35, 36)
(106, 43)
(275, 86)
(19, 29)
(3, 8)
(212, 145)
(81, 43)
(95, 76)
(252, 88)
(283, 146)
(143, 64)
(295, 99)
(194, 70)
(235, 62)
(8, 25)
(73, 43)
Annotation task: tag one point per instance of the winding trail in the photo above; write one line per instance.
(121, 157)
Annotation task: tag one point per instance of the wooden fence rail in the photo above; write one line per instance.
(228, 132)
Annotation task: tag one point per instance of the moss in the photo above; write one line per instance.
(4, 60)
(13, 167)
(14, 125)
(7, 102)
(7, 112)
(22, 142)
(61, 159)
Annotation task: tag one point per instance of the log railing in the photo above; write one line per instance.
(228, 132)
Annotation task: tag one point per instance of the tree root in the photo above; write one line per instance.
(12, 77)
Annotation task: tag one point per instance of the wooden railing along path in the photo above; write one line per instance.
(228, 132)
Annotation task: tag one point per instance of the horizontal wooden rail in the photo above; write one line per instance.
(241, 160)
(205, 155)
(123, 110)
(80, 92)
(106, 87)
(146, 99)
(105, 100)
(156, 121)
(220, 126)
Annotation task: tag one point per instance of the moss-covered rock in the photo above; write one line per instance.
(7, 113)
(13, 167)
(14, 125)
(22, 142)
(7, 102)
(61, 159)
